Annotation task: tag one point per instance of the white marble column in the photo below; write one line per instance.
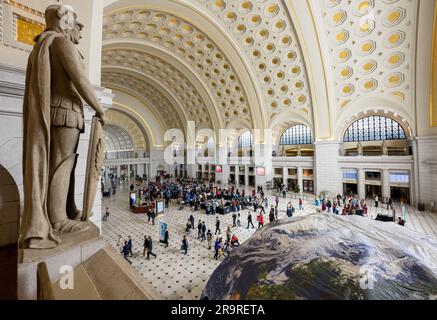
(237, 175)
(300, 178)
(246, 176)
(361, 184)
(385, 183)
(140, 169)
(284, 176)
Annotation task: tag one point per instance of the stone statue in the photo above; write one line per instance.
(360, 149)
(384, 148)
(53, 119)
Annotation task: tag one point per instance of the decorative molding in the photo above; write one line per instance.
(11, 11)
(24, 8)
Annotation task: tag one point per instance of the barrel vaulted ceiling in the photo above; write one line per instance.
(263, 63)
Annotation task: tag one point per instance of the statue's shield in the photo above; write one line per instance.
(94, 164)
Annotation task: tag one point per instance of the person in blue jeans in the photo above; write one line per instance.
(216, 248)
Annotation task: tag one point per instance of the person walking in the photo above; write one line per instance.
(234, 219)
(120, 242)
(217, 226)
(166, 237)
(192, 221)
(376, 201)
(129, 242)
(238, 220)
(276, 213)
(300, 204)
(146, 245)
(106, 216)
(272, 214)
(228, 234)
(188, 228)
(261, 204)
(216, 248)
(150, 248)
(199, 229)
(260, 219)
(203, 231)
(185, 245)
(125, 251)
(249, 220)
(209, 238)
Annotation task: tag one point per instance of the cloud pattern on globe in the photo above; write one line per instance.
(325, 256)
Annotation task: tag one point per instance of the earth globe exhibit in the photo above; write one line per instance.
(325, 256)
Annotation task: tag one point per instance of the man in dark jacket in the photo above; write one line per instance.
(185, 245)
(129, 243)
(146, 245)
(249, 221)
(203, 231)
(150, 248)
(125, 251)
(199, 230)
(272, 214)
(192, 221)
(217, 226)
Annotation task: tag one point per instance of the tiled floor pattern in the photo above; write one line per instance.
(176, 276)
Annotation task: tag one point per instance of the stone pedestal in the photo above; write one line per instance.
(74, 250)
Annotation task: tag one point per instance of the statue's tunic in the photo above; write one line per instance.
(67, 111)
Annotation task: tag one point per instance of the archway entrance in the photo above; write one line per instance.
(9, 231)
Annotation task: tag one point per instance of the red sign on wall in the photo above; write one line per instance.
(218, 169)
(260, 171)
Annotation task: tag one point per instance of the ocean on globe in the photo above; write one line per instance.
(325, 256)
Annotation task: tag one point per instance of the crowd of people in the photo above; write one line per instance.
(193, 194)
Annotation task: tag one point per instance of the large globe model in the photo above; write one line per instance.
(325, 256)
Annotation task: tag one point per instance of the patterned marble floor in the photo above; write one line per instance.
(176, 276)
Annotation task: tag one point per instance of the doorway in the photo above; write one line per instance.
(400, 194)
(350, 188)
(371, 190)
(242, 180)
(9, 229)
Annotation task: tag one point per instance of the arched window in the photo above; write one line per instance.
(245, 140)
(374, 128)
(117, 139)
(299, 134)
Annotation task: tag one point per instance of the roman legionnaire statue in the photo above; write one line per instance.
(53, 115)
